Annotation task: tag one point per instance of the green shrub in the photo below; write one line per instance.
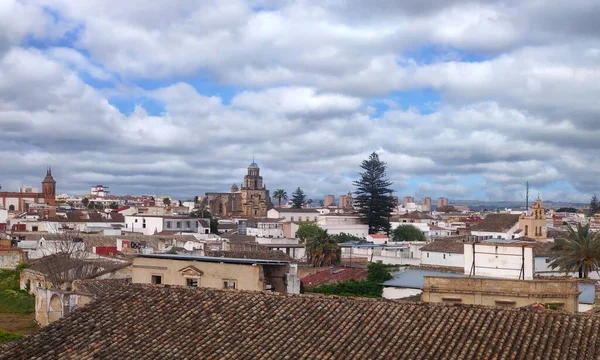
(8, 336)
(362, 288)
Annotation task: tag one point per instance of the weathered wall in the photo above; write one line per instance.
(247, 277)
(10, 258)
(501, 292)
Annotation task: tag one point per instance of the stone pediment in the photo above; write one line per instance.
(191, 271)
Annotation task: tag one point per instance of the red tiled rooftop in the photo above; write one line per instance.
(325, 277)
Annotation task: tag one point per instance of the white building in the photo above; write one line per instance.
(99, 191)
(269, 228)
(291, 214)
(501, 260)
(350, 224)
(498, 226)
(447, 252)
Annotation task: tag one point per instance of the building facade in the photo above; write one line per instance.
(558, 293)
(215, 272)
(441, 202)
(252, 199)
(17, 201)
(534, 225)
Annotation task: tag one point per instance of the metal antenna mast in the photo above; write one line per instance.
(527, 196)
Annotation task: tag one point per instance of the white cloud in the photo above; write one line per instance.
(310, 80)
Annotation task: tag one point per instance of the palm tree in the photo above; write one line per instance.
(280, 194)
(326, 252)
(578, 250)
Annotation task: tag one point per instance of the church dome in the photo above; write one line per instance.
(253, 165)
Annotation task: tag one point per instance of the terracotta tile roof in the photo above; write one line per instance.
(326, 277)
(144, 322)
(260, 254)
(378, 236)
(100, 287)
(497, 223)
(450, 245)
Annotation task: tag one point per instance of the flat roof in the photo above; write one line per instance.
(214, 259)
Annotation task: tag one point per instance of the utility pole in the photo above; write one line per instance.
(527, 196)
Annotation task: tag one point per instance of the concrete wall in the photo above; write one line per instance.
(247, 277)
(498, 260)
(501, 292)
(442, 259)
(10, 258)
(399, 293)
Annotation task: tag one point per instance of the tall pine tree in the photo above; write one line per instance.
(594, 205)
(373, 200)
(298, 198)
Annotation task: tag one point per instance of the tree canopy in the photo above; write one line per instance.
(343, 237)
(298, 198)
(280, 194)
(594, 205)
(321, 249)
(577, 251)
(373, 195)
(408, 233)
(167, 201)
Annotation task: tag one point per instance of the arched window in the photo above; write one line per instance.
(11, 208)
(526, 230)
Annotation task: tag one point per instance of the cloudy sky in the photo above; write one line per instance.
(462, 99)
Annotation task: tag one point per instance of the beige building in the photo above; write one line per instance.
(558, 293)
(441, 202)
(216, 272)
(534, 225)
(329, 200)
(345, 201)
(251, 200)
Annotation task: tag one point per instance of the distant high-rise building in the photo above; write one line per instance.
(441, 202)
(426, 203)
(345, 201)
(408, 199)
(329, 200)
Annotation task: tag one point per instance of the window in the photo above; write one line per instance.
(188, 224)
(229, 284)
(206, 231)
(168, 224)
(506, 303)
(548, 261)
(292, 218)
(451, 300)
(427, 255)
(192, 282)
(444, 256)
(136, 220)
(179, 224)
(156, 279)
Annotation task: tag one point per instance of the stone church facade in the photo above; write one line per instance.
(251, 200)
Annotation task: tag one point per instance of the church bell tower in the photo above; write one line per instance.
(49, 188)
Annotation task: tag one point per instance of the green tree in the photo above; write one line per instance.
(85, 202)
(196, 200)
(375, 205)
(298, 198)
(280, 194)
(167, 201)
(343, 237)
(408, 233)
(577, 251)
(321, 249)
(114, 205)
(379, 272)
(594, 205)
